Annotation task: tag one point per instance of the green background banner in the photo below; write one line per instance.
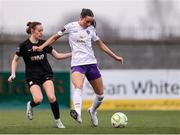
(17, 93)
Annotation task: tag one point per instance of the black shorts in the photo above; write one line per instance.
(40, 81)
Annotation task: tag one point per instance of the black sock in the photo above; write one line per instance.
(33, 104)
(55, 109)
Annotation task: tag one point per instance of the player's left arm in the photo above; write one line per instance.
(60, 56)
(104, 48)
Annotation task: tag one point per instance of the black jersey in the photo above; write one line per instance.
(36, 63)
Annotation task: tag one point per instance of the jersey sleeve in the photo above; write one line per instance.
(95, 37)
(19, 50)
(48, 49)
(64, 30)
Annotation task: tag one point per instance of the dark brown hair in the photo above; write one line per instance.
(88, 12)
(31, 25)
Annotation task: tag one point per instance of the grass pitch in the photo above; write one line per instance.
(140, 122)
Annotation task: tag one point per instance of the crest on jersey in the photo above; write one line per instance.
(31, 82)
(88, 32)
(82, 36)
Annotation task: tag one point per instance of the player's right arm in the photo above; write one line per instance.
(48, 42)
(13, 68)
(53, 38)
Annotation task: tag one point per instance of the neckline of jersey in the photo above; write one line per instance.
(33, 43)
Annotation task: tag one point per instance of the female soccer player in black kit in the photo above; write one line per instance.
(38, 70)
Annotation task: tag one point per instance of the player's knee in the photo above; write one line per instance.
(52, 99)
(78, 86)
(100, 97)
(38, 100)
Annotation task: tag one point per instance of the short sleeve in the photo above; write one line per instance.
(19, 50)
(94, 35)
(48, 49)
(64, 30)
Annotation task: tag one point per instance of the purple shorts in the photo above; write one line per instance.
(91, 71)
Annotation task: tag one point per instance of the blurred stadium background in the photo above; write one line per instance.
(145, 32)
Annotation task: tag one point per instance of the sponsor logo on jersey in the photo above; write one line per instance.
(37, 57)
(82, 38)
(81, 41)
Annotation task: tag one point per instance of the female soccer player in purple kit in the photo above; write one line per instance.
(83, 62)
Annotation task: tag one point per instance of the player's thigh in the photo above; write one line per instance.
(78, 79)
(49, 89)
(36, 93)
(97, 85)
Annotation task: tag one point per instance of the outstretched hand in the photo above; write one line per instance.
(11, 78)
(36, 49)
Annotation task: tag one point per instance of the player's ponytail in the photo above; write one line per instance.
(94, 23)
(31, 25)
